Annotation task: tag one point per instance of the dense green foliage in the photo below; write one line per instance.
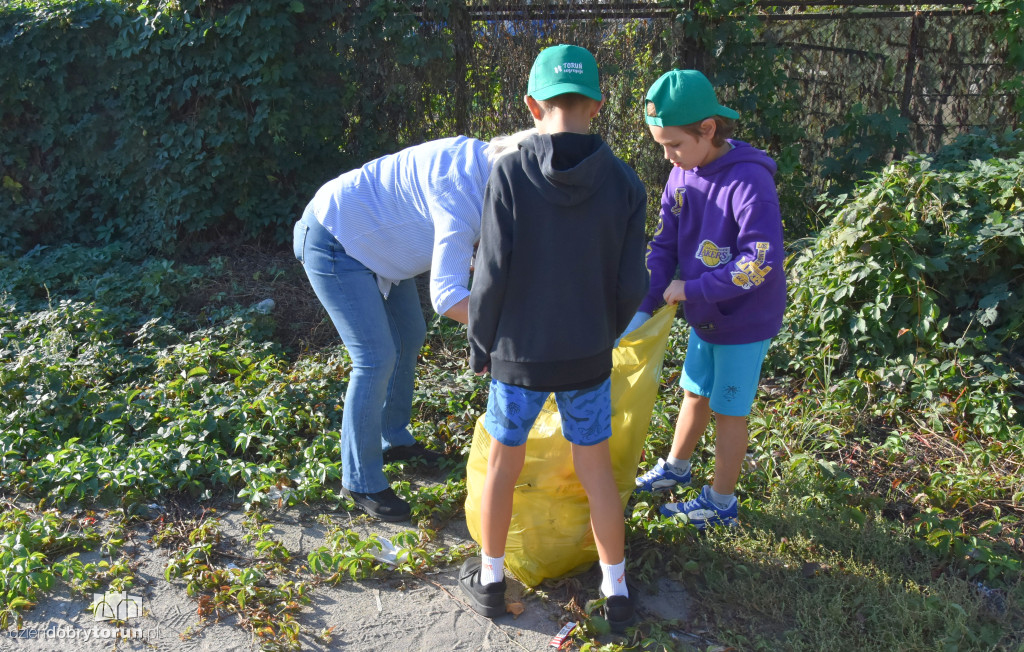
(1009, 31)
(109, 396)
(913, 289)
(156, 121)
(164, 122)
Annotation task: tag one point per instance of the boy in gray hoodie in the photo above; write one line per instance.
(559, 273)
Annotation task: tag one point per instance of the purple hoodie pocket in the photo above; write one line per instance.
(703, 316)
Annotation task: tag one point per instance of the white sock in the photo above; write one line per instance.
(721, 501)
(492, 569)
(677, 466)
(613, 579)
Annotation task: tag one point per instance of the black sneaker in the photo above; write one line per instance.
(385, 505)
(486, 599)
(413, 452)
(620, 612)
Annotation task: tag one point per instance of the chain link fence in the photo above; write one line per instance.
(847, 87)
(937, 71)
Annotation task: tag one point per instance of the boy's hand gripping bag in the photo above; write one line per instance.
(550, 533)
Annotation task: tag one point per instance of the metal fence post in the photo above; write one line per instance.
(463, 37)
(909, 73)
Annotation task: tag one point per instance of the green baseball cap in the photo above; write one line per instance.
(682, 97)
(564, 69)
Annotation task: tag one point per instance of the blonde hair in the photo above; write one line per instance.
(501, 145)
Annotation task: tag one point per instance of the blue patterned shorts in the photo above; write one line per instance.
(586, 413)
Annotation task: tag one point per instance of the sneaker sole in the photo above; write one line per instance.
(657, 490)
(702, 524)
(488, 611)
(390, 518)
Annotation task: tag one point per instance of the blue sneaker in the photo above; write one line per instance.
(702, 512)
(661, 479)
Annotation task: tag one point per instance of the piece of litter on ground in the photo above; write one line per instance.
(389, 554)
(559, 638)
(380, 606)
(994, 599)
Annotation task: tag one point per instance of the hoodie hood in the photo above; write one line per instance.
(566, 168)
(561, 242)
(721, 233)
(741, 152)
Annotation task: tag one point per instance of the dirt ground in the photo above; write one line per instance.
(395, 612)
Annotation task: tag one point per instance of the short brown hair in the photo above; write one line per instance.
(724, 128)
(566, 102)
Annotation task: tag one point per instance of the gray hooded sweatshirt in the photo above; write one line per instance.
(560, 268)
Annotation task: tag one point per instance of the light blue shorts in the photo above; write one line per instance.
(727, 373)
(586, 413)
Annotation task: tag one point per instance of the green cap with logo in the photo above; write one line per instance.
(682, 97)
(564, 69)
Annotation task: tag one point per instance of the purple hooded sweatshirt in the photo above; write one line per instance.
(721, 230)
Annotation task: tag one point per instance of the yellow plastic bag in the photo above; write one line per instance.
(550, 533)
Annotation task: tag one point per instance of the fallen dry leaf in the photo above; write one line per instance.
(515, 608)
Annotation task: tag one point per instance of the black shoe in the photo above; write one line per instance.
(620, 612)
(385, 505)
(417, 452)
(486, 599)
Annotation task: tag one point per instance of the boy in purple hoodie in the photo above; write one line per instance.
(719, 251)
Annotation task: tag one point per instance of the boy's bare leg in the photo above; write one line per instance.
(504, 463)
(730, 449)
(693, 420)
(594, 470)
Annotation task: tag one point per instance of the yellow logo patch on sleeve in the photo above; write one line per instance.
(752, 273)
(678, 207)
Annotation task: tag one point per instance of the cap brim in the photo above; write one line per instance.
(726, 112)
(548, 92)
(723, 111)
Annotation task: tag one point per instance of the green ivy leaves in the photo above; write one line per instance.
(915, 283)
(149, 121)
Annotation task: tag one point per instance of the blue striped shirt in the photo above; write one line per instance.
(412, 211)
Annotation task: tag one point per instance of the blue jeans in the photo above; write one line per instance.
(383, 338)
